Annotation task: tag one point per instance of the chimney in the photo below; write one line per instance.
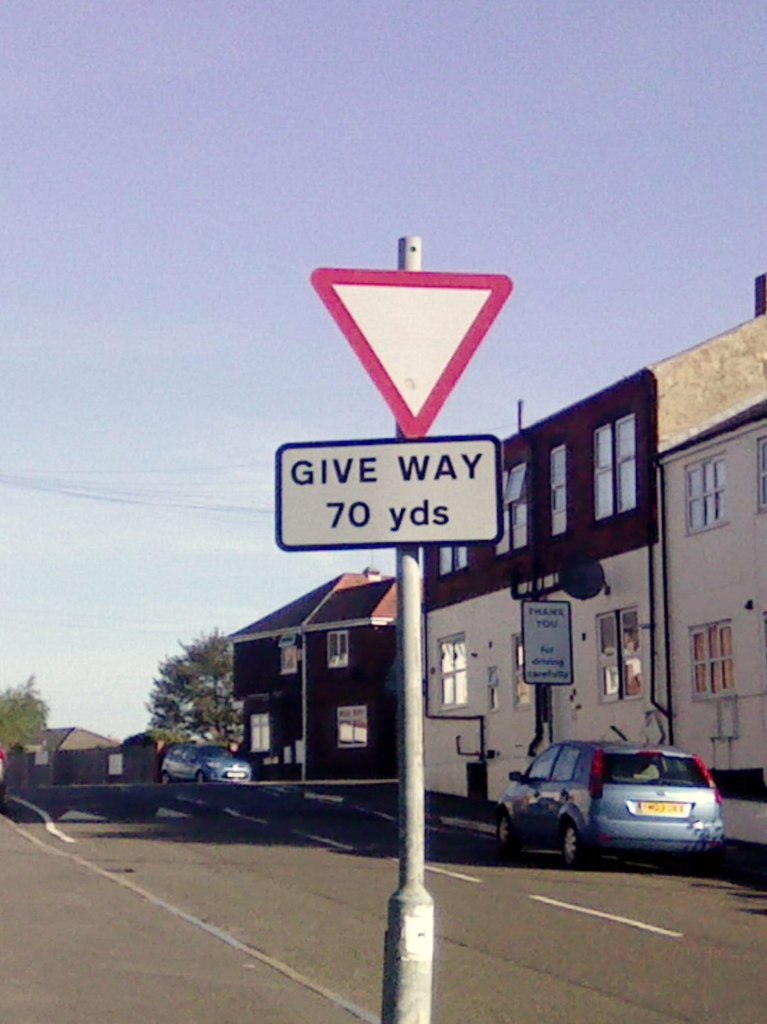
(374, 575)
(760, 295)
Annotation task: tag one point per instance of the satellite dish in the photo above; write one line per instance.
(581, 577)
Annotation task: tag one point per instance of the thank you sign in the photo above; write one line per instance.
(547, 642)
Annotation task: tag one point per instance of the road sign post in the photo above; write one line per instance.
(414, 333)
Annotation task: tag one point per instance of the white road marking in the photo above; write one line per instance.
(609, 917)
(168, 812)
(323, 839)
(453, 874)
(328, 798)
(83, 816)
(210, 929)
(245, 817)
(48, 821)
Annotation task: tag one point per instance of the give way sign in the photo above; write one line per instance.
(413, 331)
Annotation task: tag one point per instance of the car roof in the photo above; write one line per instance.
(625, 747)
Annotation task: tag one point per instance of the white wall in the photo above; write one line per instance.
(714, 574)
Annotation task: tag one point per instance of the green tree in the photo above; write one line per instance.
(193, 694)
(23, 715)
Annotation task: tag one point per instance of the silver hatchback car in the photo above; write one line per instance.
(584, 799)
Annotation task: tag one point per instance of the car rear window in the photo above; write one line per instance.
(652, 769)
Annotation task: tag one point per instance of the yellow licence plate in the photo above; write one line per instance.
(663, 809)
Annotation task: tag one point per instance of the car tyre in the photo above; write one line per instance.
(574, 854)
(507, 841)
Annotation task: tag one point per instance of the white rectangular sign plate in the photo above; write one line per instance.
(547, 642)
(387, 493)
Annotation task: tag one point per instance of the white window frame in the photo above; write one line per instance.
(288, 660)
(521, 688)
(762, 473)
(620, 661)
(260, 733)
(453, 559)
(493, 688)
(453, 671)
(352, 726)
(615, 467)
(558, 485)
(516, 519)
(338, 648)
(706, 493)
(712, 659)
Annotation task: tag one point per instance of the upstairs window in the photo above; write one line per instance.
(615, 487)
(558, 478)
(288, 654)
(762, 479)
(451, 559)
(452, 660)
(515, 500)
(706, 493)
(338, 648)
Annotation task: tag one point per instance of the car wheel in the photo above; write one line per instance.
(574, 854)
(200, 776)
(507, 841)
(165, 778)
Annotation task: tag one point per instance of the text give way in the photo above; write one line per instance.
(383, 493)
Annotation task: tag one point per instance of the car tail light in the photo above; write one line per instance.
(597, 776)
(710, 780)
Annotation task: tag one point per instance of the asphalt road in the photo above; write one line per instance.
(269, 903)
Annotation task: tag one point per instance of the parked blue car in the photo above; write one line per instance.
(190, 762)
(584, 799)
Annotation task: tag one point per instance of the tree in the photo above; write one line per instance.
(193, 694)
(23, 715)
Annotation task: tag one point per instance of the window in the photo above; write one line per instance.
(712, 661)
(493, 698)
(706, 485)
(558, 478)
(288, 644)
(515, 498)
(452, 659)
(620, 664)
(615, 487)
(338, 648)
(452, 559)
(567, 764)
(521, 689)
(541, 767)
(353, 726)
(763, 473)
(260, 734)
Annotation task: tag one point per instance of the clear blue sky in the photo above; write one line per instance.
(171, 173)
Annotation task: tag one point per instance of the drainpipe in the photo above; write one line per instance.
(304, 701)
(669, 709)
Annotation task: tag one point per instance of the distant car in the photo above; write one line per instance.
(192, 762)
(3, 790)
(584, 799)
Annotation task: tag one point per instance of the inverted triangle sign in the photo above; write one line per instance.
(414, 332)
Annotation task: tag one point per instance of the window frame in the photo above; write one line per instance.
(711, 500)
(614, 465)
(288, 659)
(558, 489)
(264, 730)
(454, 683)
(452, 558)
(620, 665)
(355, 718)
(705, 668)
(340, 657)
(522, 689)
(761, 470)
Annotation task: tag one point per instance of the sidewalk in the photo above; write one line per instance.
(76, 946)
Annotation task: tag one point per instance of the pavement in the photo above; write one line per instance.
(77, 945)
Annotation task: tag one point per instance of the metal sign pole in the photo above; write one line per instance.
(409, 943)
